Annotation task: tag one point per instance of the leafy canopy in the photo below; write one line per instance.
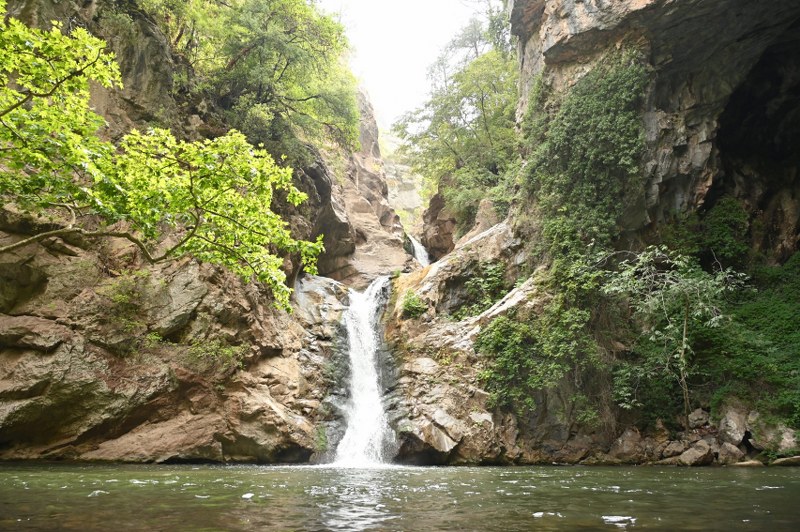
(214, 195)
(274, 66)
(462, 140)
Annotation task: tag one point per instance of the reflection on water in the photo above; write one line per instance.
(70, 497)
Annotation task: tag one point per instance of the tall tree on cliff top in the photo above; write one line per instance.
(463, 139)
(275, 66)
(213, 195)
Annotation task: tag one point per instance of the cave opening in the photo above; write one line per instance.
(759, 147)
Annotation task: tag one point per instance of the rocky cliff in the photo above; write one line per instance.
(443, 414)
(106, 357)
(721, 111)
(721, 118)
(364, 191)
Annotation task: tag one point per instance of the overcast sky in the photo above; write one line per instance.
(394, 42)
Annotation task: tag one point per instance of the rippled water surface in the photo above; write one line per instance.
(72, 497)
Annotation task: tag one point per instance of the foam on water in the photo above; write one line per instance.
(368, 432)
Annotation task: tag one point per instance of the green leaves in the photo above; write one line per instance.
(213, 196)
(275, 66)
(584, 168)
(516, 371)
(413, 306)
(463, 139)
(47, 132)
(485, 286)
(672, 298)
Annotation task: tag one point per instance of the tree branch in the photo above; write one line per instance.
(30, 95)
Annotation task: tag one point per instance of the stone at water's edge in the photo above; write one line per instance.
(788, 461)
(729, 454)
(749, 463)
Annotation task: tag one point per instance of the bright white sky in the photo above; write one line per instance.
(394, 42)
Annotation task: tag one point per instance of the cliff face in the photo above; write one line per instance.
(721, 118)
(721, 111)
(364, 191)
(105, 357)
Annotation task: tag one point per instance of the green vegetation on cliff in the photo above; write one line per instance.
(584, 167)
(273, 67)
(213, 195)
(583, 170)
(668, 330)
(462, 141)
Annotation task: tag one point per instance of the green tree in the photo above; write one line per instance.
(275, 67)
(671, 298)
(213, 195)
(463, 139)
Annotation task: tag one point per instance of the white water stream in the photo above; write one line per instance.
(368, 432)
(420, 253)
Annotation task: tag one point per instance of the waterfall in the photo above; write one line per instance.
(368, 432)
(420, 253)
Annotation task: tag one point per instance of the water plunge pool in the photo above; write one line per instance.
(36, 496)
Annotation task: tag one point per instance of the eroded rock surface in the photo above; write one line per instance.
(721, 109)
(180, 362)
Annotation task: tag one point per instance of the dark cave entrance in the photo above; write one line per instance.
(759, 145)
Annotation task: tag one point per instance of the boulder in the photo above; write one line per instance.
(628, 447)
(788, 461)
(729, 454)
(675, 448)
(732, 425)
(29, 332)
(699, 454)
(776, 438)
(439, 229)
(698, 418)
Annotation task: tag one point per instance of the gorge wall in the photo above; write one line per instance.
(721, 120)
(106, 357)
(722, 105)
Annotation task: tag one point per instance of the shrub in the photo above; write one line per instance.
(519, 367)
(483, 289)
(217, 354)
(413, 306)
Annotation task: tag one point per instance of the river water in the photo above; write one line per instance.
(123, 497)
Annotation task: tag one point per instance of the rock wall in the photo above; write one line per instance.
(364, 191)
(177, 362)
(443, 415)
(104, 357)
(721, 117)
(439, 227)
(722, 109)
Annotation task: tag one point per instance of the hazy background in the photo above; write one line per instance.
(394, 42)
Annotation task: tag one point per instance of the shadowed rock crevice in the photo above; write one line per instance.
(758, 140)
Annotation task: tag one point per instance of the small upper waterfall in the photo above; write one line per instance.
(368, 433)
(420, 253)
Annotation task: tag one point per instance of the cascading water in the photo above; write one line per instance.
(368, 433)
(420, 253)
